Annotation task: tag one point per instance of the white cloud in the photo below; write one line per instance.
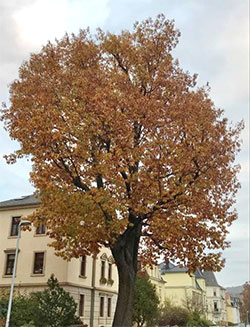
(45, 20)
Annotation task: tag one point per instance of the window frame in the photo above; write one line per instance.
(83, 265)
(6, 263)
(34, 262)
(109, 307)
(81, 305)
(38, 232)
(216, 308)
(11, 234)
(103, 268)
(101, 309)
(109, 271)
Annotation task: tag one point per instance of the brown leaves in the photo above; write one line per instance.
(118, 134)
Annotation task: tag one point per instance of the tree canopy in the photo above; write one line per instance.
(127, 151)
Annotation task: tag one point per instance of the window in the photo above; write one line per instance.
(81, 306)
(214, 292)
(38, 263)
(14, 226)
(103, 270)
(40, 229)
(10, 263)
(101, 306)
(110, 271)
(83, 266)
(109, 307)
(216, 306)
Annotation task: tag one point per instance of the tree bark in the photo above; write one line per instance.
(125, 253)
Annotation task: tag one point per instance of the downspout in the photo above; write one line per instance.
(93, 288)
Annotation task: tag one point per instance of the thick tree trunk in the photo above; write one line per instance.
(125, 252)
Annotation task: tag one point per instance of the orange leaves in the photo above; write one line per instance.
(119, 135)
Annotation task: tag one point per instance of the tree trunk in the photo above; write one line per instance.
(125, 253)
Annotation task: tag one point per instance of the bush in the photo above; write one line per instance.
(21, 312)
(196, 320)
(54, 307)
(146, 302)
(172, 315)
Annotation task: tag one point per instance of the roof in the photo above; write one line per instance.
(22, 201)
(198, 286)
(198, 273)
(171, 268)
(210, 279)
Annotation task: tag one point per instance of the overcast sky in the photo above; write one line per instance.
(213, 43)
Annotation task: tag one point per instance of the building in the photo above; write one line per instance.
(216, 299)
(183, 289)
(233, 308)
(92, 282)
(197, 292)
(154, 275)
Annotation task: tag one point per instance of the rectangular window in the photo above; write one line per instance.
(38, 263)
(40, 229)
(81, 305)
(14, 226)
(109, 307)
(216, 306)
(10, 263)
(83, 265)
(214, 292)
(110, 271)
(102, 306)
(103, 270)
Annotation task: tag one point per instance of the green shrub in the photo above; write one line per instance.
(145, 303)
(196, 320)
(21, 311)
(172, 315)
(54, 307)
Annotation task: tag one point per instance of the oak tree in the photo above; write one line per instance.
(127, 151)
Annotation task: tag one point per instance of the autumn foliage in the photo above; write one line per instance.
(123, 143)
(245, 303)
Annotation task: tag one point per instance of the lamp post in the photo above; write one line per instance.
(22, 223)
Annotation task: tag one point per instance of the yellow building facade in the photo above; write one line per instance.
(93, 283)
(182, 289)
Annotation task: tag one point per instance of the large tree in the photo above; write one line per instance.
(127, 152)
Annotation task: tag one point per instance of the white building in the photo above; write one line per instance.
(216, 299)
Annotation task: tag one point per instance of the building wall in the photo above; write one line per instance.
(156, 279)
(180, 289)
(216, 312)
(67, 273)
(232, 308)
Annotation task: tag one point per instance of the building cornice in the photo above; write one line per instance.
(9, 208)
(44, 284)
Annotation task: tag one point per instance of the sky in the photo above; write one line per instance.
(214, 43)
